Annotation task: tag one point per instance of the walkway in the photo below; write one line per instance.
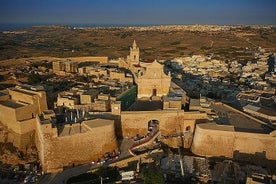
(143, 142)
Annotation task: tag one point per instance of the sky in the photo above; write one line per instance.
(221, 12)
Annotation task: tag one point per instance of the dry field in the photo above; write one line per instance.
(62, 41)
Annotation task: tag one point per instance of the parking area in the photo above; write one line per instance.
(15, 174)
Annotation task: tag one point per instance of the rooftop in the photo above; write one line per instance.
(261, 110)
(11, 104)
(95, 123)
(71, 129)
(24, 91)
(146, 105)
(215, 126)
(3, 94)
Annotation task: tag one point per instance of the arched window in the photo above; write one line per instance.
(188, 128)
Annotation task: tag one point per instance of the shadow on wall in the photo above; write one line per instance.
(259, 158)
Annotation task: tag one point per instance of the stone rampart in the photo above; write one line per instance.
(57, 152)
(101, 59)
(220, 140)
(170, 121)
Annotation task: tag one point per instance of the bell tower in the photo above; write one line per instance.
(134, 54)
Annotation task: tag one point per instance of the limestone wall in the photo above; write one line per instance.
(18, 96)
(101, 59)
(59, 152)
(7, 115)
(146, 87)
(217, 141)
(136, 122)
(26, 112)
(37, 98)
(27, 125)
(4, 97)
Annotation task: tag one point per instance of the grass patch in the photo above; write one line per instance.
(128, 98)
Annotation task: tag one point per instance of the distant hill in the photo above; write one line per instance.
(159, 42)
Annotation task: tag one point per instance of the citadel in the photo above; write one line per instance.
(128, 98)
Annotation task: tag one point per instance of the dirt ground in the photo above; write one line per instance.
(63, 41)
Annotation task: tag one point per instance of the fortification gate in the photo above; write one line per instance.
(136, 122)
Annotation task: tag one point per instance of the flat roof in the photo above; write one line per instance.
(23, 91)
(194, 102)
(95, 123)
(269, 112)
(252, 107)
(3, 94)
(71, 129)
(11, 104)
(215, 126)
(146, 105)
(266, 111)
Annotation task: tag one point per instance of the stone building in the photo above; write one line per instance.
(153, 82)
(133, 59)
(134, 55)
(69, 145)
(63, 67)
(211, 139)
(18, 109)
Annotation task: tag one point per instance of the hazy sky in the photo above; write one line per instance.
(139, 11)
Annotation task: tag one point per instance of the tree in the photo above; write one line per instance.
(151, 177)
(34, 78)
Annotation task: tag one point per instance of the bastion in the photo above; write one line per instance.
(214, 140)
(74, 144)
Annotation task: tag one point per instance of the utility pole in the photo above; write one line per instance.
(180, 157)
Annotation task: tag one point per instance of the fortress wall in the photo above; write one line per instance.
(22, 141)
(102, 59)
(26, 112)
(19, 96)
(27, 125)
(208, 142)
(252, 143)
(22, 133)
(4, 97)
(42, 101)
(76, 149)
(7, 117)
(38, 98)
(39, 141)
(136, 122)
(215, 142)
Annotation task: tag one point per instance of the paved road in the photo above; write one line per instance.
(62, 177)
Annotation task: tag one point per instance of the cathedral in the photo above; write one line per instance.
(149, 76)
(153, 82)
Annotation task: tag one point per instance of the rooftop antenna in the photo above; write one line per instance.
(179, 154)
(78, 114)
(83, 113)
(71, 119)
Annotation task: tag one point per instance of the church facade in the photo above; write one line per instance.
(153, 82)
